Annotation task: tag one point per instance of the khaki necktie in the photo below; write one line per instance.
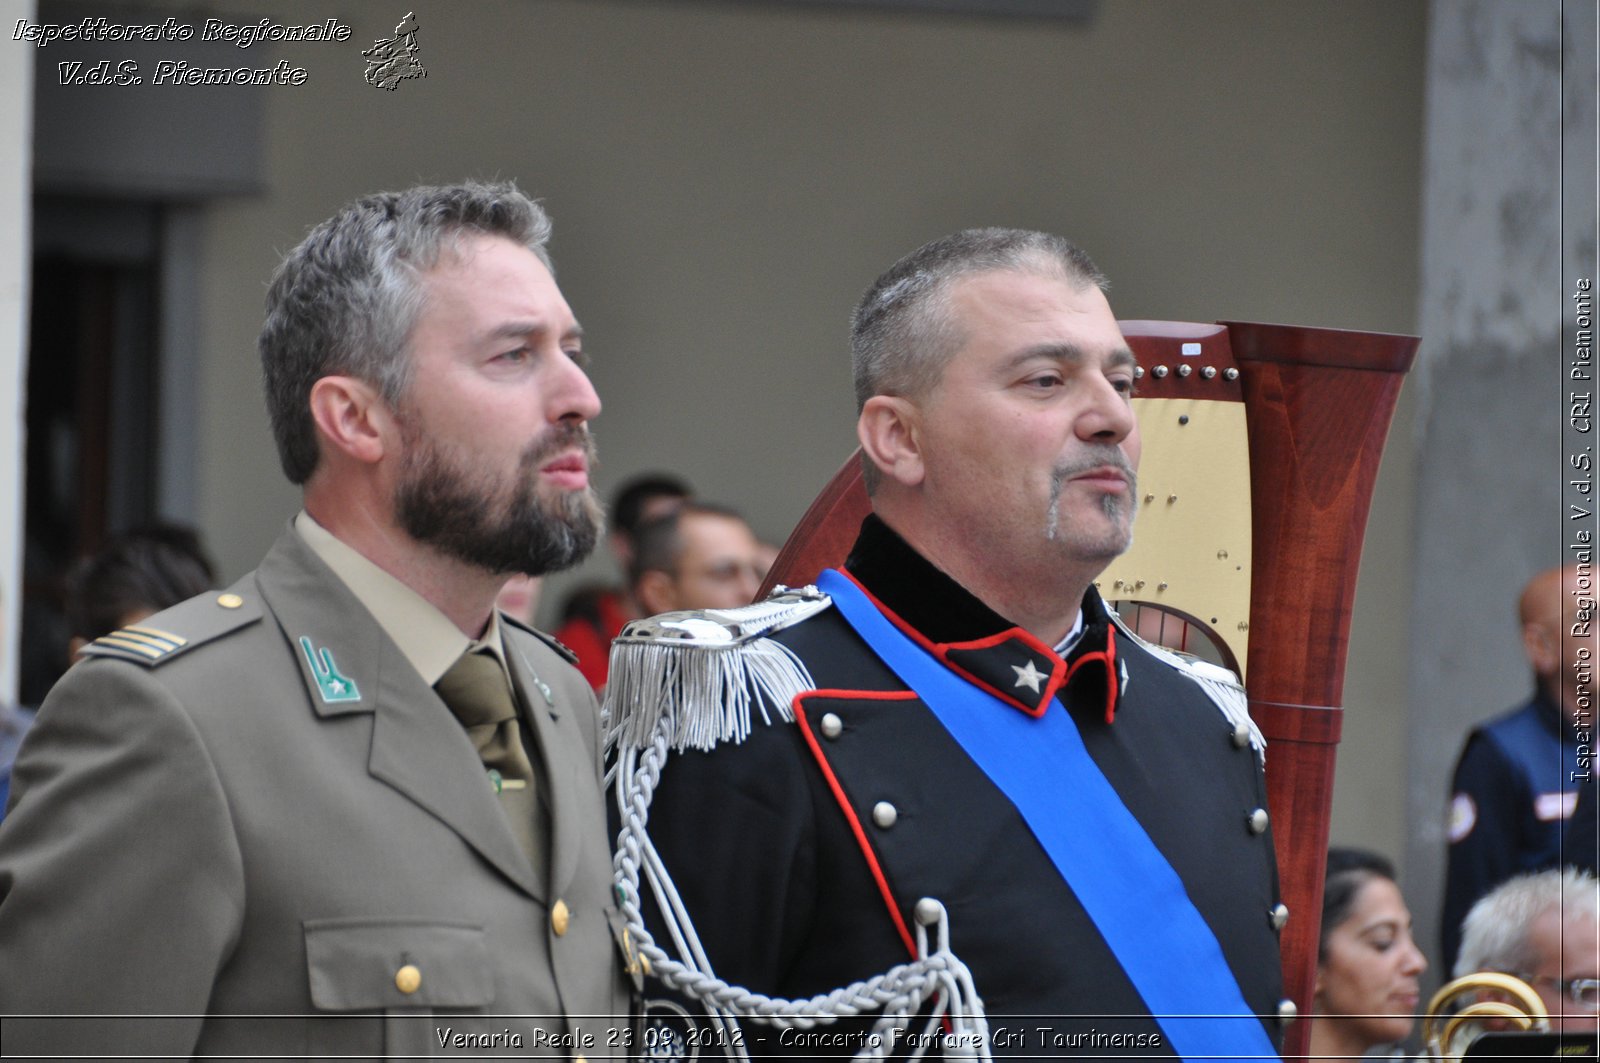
(477, 691)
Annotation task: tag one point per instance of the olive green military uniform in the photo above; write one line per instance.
(251, 824)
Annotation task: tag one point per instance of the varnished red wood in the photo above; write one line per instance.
(1170, 373)
(826, 531)
(1317, 404)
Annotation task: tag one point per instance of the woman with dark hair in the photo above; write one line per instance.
(1367, 964)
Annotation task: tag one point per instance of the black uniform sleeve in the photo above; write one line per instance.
(733, 828)
(1488, 800)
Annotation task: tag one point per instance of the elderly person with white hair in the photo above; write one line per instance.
(1543, 928)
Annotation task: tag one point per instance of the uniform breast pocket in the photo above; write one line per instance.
(387, 979)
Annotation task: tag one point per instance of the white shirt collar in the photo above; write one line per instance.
(1064, 647)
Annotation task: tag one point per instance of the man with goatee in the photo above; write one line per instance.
(948, 759)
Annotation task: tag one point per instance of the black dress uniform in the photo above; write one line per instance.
(801, 852)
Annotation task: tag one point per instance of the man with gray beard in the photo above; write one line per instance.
(953, 738)
(344, 807)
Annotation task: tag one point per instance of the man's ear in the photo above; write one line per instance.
(655, 592)
(890, 431)
(1543, 651)
(352, 418)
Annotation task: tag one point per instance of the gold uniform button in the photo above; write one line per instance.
(408, 979)
(560, 917)
(229, 601)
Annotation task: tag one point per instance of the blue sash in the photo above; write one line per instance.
(1100, 850)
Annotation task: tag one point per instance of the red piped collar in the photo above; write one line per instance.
(1013, 664)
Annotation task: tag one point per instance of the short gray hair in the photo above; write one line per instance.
(345, 300)
(1494, 935)
(902, 334)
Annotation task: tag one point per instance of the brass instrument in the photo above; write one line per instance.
(1448, 1034)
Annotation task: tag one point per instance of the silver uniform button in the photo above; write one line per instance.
(1287, 1012)
(1279, 916)
(1258, 821)
(884, 814)
(1241, 736)
(832, 726)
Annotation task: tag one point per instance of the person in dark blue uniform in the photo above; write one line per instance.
(951, 756)
(1582, 846)
(1519, 776)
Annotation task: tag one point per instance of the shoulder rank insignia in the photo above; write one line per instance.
(156, 639)
(694, 676)
(137, 643)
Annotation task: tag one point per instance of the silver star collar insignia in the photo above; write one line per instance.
(1029, 677)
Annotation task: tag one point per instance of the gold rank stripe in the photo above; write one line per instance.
(133, 635)
(165, 636)
(116, 643)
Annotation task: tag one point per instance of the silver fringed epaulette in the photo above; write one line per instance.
(695, 676)
(1219, 684)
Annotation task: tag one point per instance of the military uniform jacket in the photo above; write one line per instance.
(282, 859)
(778, 844)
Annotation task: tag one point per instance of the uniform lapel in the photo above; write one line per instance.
(556, 759)
(417, 746)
